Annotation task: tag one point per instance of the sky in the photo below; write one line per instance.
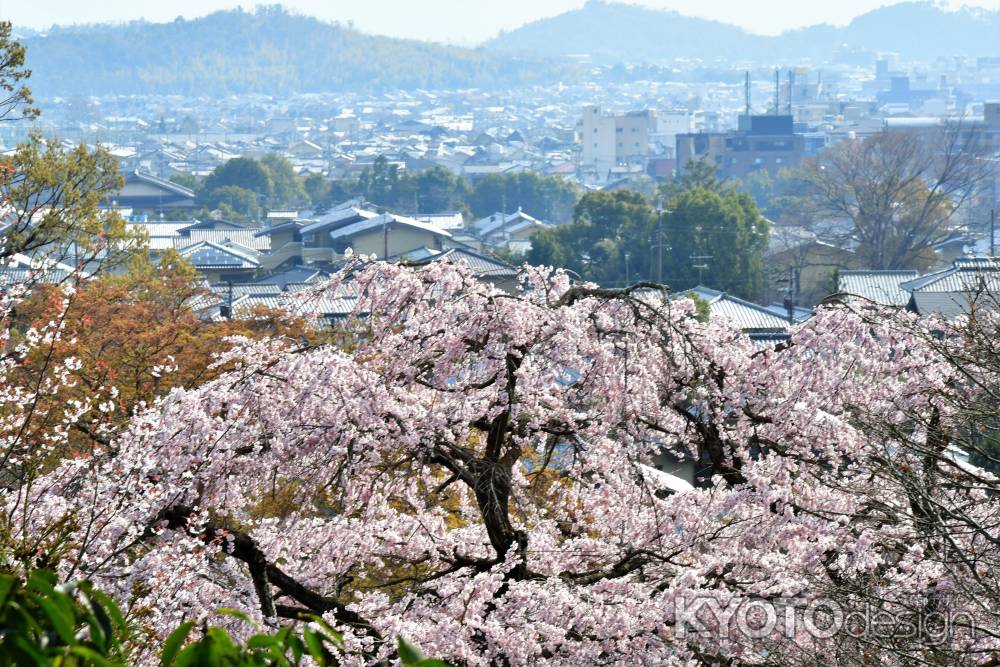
(464, 22)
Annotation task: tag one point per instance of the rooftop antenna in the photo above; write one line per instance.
(777, 88)
(746, 93)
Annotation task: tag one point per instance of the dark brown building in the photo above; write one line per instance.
(761, 142)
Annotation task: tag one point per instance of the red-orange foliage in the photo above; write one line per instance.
(136, 336)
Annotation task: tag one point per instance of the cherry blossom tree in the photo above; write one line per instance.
(475, 473)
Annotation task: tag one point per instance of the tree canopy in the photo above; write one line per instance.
(479, 470)
(897, 191)
(269, 51)
(245, 187)
(722, 232)
(547, 198)
(619, 237)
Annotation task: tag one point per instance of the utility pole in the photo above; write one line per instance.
(777, 88)
(746, 92)
(227, 310)
(791, 85)
(790, 295)
(385, 236)
(993, 214)
(503, 214)
(659, 246)
(993, 232)
(659, 249)
(701, 265)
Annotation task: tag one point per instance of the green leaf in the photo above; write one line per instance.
(328, 634)
(42, 581)
(102, 632)
(409, 654)
(174, 643)
(57, 617)
(7, 583)
(297, 647)
(262, 641)
(314, 643)
(91, 656)
(110, 607)
(30, 651)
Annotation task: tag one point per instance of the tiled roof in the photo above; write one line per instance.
(218, 224)
(745, 315)
(481, 265)
(767, 341)
(385, 219)
(799, 314)
(18, 275)
(967, 274)
(512, 221)
(211, 255)
(299, 299)
(142, 175)
(296, 274)
(245, 237)
(882, 287)
(160, 228)
(337, 218)
(267, 231)
(244, 289)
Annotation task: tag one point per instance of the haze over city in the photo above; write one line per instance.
(452, 21)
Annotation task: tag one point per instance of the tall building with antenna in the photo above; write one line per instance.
(760, 141)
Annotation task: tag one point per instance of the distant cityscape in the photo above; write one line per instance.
(627, 135)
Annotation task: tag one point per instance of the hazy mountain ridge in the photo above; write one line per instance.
(268, 51)
(625, 33)
(612, 32)
(272, 51)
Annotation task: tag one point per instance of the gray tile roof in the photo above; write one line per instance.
(294, 275)
(17, 275)
(744, 314)
(299, 299)
(211, 255)
(336, 219)
(245, 237)
(513, 222)
(882, 287)
(376, 222)
(480, 265)
(967, 274)
(946, 292)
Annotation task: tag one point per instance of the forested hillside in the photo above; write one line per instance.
(268, 51)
